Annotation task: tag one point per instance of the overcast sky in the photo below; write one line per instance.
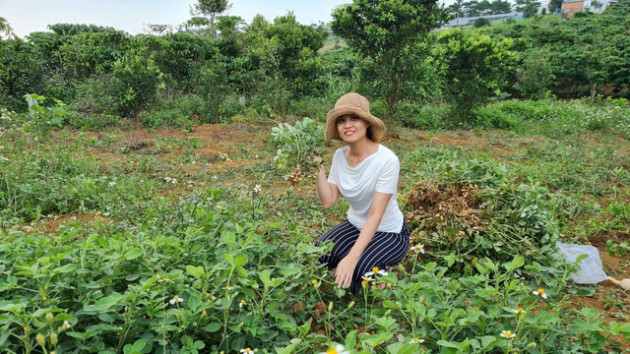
(26, 16)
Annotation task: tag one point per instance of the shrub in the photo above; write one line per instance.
(420, 116)
(135, 84)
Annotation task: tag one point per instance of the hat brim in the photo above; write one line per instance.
(376, 124)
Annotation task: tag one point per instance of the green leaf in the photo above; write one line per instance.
(212, 327)
(376, 339)
(240, 260)
(133, 254)
(351, 339)
(68, 268)
(196, 272)
(105, 303)
(580, 326)
(402, 348)
(289, 348)
(516, 263)
(489, 342)
(265, 277)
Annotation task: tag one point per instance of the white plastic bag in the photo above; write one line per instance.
(591, 271)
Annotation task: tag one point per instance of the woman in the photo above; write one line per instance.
(365, 173)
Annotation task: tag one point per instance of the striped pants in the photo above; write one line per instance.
(385, 249)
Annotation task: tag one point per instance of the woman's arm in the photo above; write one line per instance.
(345, 268)
(328, 193)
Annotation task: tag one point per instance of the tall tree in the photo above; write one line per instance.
(457, 9)
(500, 7)
(386, 32)
(471, 8)
(554, 5)
(529, 8)
(5, 27)
(209, 9)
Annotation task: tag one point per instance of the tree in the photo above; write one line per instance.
(5, 27)
(457, 9)
(473, 66)
(529, 8)
(385, 32)
(500, 7)
(209, 9)
(480, 22)
(554, 6)
(536, 76)
(470, 8)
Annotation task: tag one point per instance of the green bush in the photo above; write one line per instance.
(135, 84)
(165, 117)
(95, 95)
(313, 107)
(229, 108)
(418, 116)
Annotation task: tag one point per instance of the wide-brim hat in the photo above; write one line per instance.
(353, 104)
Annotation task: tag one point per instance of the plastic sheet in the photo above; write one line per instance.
(591, 269)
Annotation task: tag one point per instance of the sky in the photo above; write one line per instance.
(132, 16)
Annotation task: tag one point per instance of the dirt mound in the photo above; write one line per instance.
(454, 209)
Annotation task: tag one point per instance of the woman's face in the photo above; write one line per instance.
(351, 128)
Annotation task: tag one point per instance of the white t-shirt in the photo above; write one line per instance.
(376, 173)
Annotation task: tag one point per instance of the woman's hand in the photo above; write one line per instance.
(317, 159)
(344, 272)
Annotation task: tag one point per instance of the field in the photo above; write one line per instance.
(136, 241)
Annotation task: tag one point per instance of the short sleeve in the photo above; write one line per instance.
(333, 176)
(387, 181)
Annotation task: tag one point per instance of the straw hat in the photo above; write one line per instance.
(353, 104)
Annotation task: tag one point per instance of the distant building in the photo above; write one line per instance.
(571, 7)
(597, 6)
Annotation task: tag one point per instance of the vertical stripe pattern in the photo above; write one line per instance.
(385, 249)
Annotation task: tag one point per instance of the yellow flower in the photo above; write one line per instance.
(518, 310)
(474, 261)
(242, 303)
(416, 340)
(314, 282)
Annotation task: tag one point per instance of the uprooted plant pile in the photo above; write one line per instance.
(468, 208)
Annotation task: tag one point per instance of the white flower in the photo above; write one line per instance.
(540, 292)
(112, 183)
(338, 349)
(176, 299)
(257, 188)
(418, 248)
(518, 310)
(248, 351)
(66, 324)
(242, 303)
(508, 334)
(416, 340)
(375, 271)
